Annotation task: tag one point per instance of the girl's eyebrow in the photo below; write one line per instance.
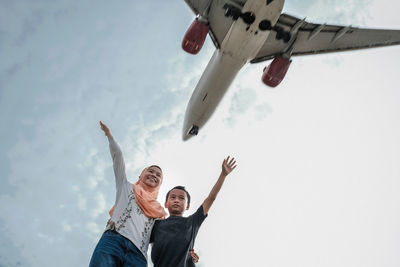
(155, 169)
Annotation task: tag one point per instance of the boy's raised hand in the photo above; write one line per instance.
(228, 165)
(105, 129)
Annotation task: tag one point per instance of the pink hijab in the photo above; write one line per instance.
(146, 198)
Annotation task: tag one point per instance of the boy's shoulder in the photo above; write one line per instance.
(198, 214)
(198, 217)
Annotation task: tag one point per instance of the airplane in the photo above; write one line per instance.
(254, 31)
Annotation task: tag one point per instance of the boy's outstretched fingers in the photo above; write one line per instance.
(228, 165)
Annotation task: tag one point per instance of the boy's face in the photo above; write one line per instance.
(177, 202)
(151, 176)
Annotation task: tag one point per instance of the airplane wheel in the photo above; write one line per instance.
(281, 34)
(277, 29)
(286, 37)
(236, 15)
(228, 12)
(265, 25)
(248, 18)
(232, 12)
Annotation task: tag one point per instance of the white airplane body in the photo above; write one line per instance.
(238, 47)
(245, 36)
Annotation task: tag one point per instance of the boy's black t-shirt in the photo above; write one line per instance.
(172, 239)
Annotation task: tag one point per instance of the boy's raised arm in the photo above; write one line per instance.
(227, 167)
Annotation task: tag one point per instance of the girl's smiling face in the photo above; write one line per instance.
(152, 176)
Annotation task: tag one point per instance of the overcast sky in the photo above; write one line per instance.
(318, 157)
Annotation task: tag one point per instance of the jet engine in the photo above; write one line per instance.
(276, 71)
(195, 36)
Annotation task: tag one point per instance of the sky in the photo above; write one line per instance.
(317, 180)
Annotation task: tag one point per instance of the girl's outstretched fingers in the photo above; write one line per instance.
(105, 129)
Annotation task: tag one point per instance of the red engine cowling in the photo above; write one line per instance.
(194, 37)
(276, 71)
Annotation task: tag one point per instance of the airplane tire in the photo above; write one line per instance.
(228, 12)
(232, 12)
(265, 25)
(248, 18)
(286, 37)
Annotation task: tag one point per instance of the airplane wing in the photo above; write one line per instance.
(214, 12)
(199, 7)
(309, 38)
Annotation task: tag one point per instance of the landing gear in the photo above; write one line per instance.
(265, 25)
(248, 18)
(236, 13)
(231, 11)
(285, 36)
(194, 130)
(281, 34)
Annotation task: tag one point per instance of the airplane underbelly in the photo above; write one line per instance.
(213, 84)
(243, 41)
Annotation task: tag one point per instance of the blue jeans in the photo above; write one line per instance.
(114, 250)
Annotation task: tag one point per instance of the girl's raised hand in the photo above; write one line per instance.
(105, 129)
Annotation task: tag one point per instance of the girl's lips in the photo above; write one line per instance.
(152, 179)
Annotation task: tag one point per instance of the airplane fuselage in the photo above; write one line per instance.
(241, 44)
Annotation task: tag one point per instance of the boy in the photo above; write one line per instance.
(174, 237)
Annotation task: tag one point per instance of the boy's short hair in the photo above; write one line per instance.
(180, 188)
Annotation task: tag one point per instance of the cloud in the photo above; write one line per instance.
(112, 68)
(262, 111)
(242, 100)
(29, 27)
(101, 205)
(94, 228)
(11, 71)
(66, 184)
(82, 203)
(67, 227)
(8, 74)
(10, 254)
